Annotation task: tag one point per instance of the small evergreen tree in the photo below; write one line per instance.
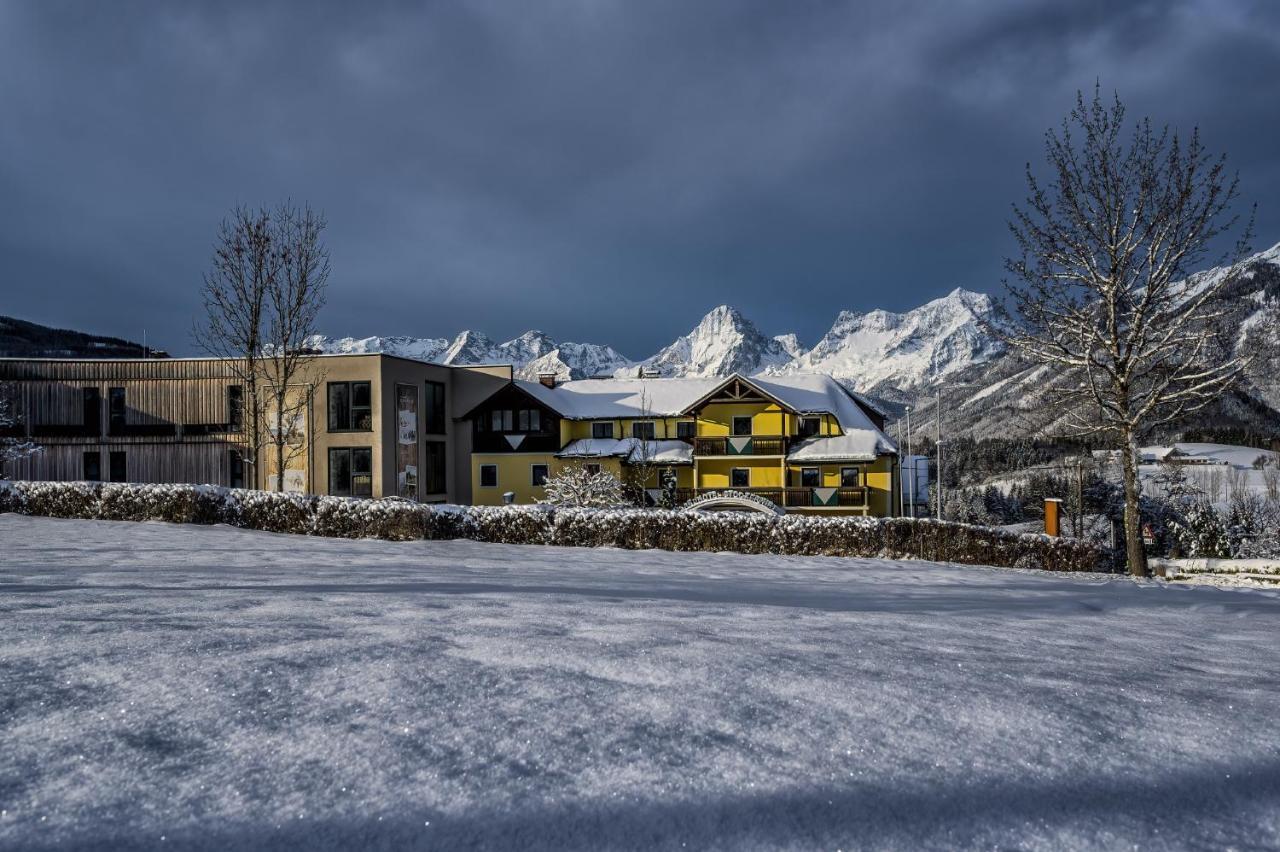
(577, 486)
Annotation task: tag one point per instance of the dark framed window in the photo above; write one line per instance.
(592, 468)
(91, 404)
(850, 477)
(643, 429)
(810, 477)
(434, 408)
(503, 420)
(235, 469)
(434, 481)
(810, 426)
(115, 409)
(686, 430)
(529, 420)
(119, 469)
(350, 407)
(488, 476)
(742, 425)
(602, 430)
(537, 475)
(740, 477)
(93, 466)
(235, 407)
(351, 472)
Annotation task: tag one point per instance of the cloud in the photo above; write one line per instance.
(601, 170)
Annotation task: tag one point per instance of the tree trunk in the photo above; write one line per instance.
(255, 425)
(1134, 551)
(280, 439)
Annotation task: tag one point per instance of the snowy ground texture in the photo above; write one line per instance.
(207, 687)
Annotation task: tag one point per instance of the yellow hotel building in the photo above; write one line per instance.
(802, 442)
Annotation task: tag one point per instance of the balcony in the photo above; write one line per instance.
(742, 445)
(792, 498)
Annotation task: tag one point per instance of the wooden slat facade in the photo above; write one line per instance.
(175, 418)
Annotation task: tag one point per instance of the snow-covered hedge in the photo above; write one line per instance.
(401, 520)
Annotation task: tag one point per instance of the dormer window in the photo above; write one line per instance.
(810, 426)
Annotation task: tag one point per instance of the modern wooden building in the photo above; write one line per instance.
(372, 425)
(802, 442)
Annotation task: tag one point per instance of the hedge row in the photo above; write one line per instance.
(401, 520)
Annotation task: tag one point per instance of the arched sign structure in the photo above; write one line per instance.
(733, 501)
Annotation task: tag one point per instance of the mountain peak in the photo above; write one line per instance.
(722, 343)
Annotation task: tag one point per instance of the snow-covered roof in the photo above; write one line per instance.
(660, 452)
(804, 393)
(604, 399)
(856, 445)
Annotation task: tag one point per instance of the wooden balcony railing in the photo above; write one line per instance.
(745, 445)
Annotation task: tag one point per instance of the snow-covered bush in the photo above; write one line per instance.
(577, 486)
(392, 519)
(178, 504)
(573, 527)
(1253, 526)
(1199, 530)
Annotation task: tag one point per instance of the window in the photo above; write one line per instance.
(810, 426)
(350, 407)
(810, 477)
(488, 476)
(741, 425)
(115, 403)
(530, 420)
(435, 408)
(740, 477)
(235, 469)
(351, 472)
(503, 420)
(602, 430)
(92, 410)
(592, 469)
(643, 430)
(235, 407)
(93, 466)
(434, 481)
(686, 430)
(118, 471)
(849, 477)
(537, 475)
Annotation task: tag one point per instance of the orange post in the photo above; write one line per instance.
(1052, 516)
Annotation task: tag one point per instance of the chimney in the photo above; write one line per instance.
(547, 380)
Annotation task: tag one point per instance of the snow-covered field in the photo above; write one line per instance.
(175, 687)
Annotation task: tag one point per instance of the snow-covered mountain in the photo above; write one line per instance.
(723, 342)
(904, 350)
(532, 353)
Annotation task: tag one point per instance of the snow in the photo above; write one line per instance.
(207, 687)
(660, 451)
(607, 399)
(937, 339)
(603, 399)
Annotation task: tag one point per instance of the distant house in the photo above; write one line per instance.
(801, 442)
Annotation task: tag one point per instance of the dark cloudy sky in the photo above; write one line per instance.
(605, 171)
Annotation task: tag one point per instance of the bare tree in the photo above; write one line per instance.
(246, 263)
(294, 297)
(641, 462)
(577, 485)
(1103, 289)
(14, 446)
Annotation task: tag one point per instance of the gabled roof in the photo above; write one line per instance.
(802, 393)
(607, 399)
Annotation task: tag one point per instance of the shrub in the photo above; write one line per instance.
(632, 529)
